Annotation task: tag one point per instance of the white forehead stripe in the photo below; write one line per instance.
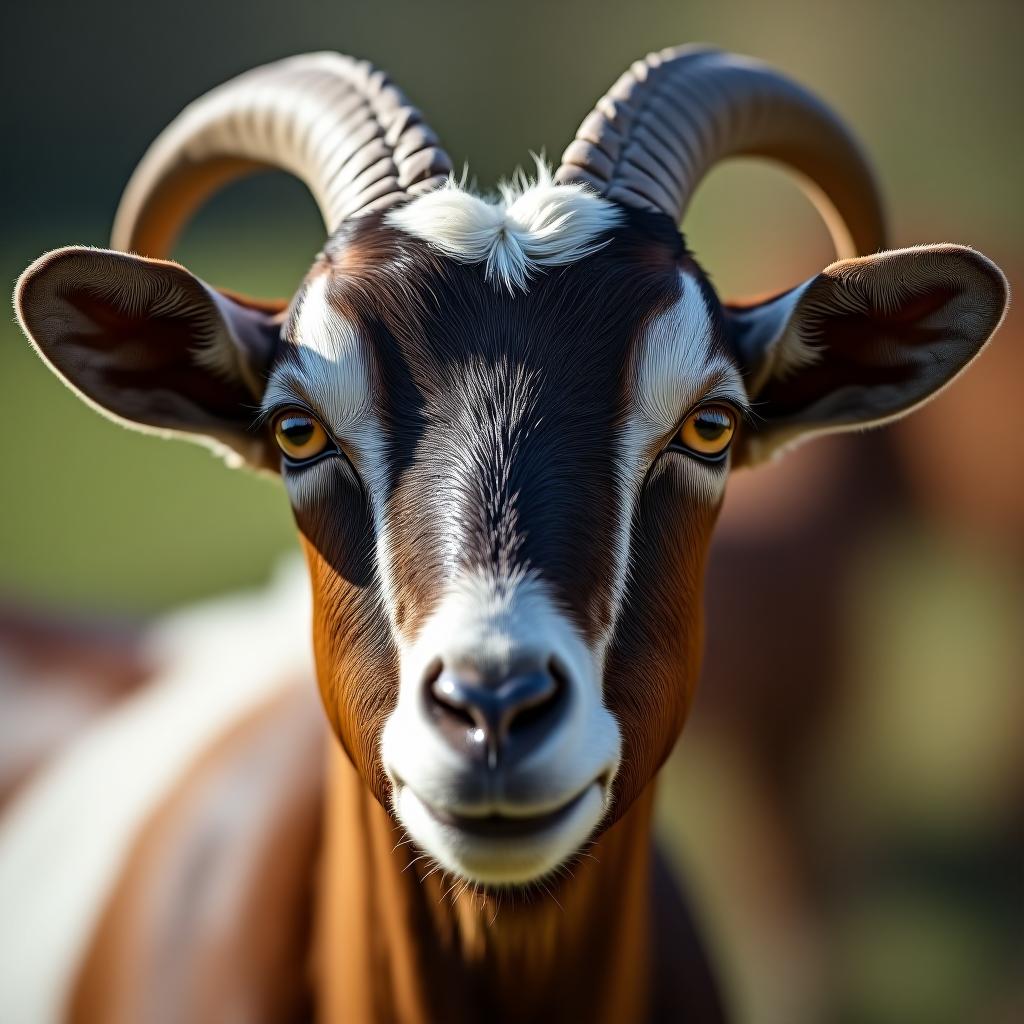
(676, 362)
(330, 365)
(676, 366)
(529, 225)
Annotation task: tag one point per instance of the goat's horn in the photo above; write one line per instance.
(672, 116)
(339, 125)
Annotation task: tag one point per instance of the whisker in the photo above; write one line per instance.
(415, 860)
(449, 889)
(550, 892)
(435, 868)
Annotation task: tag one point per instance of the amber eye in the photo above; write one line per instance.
(707, 431)
(300, 436)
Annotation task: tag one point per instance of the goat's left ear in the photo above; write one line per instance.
(152, 346)
(864, 342)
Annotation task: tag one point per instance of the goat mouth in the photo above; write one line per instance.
(502, 847)
(507, 826)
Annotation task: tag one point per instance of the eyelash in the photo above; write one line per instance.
(314, 460)
(708, 460)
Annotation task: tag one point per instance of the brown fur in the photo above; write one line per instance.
(210, 920)
(398, 941)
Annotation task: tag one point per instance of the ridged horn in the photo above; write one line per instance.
(339, 125)
(674, 115)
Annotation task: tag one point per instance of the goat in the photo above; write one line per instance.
(505, 427)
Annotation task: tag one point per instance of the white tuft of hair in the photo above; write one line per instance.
(528, 225)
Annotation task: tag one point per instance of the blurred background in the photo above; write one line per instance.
(847, 803)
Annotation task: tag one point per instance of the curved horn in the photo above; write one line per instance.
(339, 125)
(672, 116)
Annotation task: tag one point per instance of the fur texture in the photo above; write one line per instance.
(529, 225)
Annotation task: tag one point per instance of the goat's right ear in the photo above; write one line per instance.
(864, 342)
(152, 346)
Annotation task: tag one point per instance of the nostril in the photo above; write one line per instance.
(538, 705)
(451, 701)
(434, 669)
(495, 717)
(557, 673)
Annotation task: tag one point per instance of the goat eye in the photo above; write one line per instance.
(300, 436)
(707, 431)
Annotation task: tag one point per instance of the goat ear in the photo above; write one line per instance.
(152, 346)
(866, 341)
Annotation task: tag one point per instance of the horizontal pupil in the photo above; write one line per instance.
(297, 431)
(710, 429)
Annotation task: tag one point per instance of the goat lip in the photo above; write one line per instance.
(505, 826)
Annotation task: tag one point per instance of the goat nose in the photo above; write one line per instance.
(498, 718)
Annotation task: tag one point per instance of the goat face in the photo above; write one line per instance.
(505, 430)
(506, 544)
